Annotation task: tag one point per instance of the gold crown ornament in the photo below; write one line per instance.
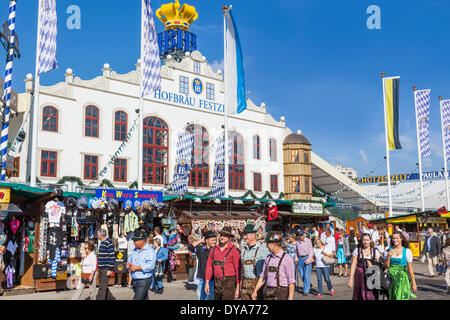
(175, 18)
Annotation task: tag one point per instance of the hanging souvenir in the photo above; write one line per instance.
(195, 225)
(14, 225)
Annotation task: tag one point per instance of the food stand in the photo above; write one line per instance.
(303, 213)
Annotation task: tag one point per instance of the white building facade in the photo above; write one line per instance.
(82, 124)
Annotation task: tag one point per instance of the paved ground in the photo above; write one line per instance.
(428, 289)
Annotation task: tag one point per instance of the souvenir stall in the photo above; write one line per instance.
(20, 208)
(302, 213)
(416, 225)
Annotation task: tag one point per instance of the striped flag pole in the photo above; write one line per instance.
(8, 87)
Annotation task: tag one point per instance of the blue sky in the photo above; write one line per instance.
(314, 62)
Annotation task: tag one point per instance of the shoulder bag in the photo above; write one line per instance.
(159, 270)
(327, 260)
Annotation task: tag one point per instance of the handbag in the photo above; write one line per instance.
(385, 281)
(158, 272)
(327, 260)
(85, 278)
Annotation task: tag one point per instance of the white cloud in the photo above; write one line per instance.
(363, 155)
(217, 65)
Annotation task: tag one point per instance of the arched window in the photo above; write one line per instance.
(236, 167)
(120, 126)
(92, 119)
(200, 157)
(50, 119)
(273, 149)
(256, 148)
(156, 151)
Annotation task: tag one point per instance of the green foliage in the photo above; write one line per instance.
(74, 179)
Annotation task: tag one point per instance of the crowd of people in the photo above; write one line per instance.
(274, 269)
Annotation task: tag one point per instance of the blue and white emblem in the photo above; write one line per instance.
(197, 86)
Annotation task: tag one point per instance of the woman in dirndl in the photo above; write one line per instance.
(363, 257)
(342, 252)
(399, 263)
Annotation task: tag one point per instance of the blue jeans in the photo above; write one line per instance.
(141, 287)
(157, 284)
(201, 294)
(305, 273)
(325, 271)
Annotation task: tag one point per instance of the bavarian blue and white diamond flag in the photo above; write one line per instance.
(422, 101)
(445, 114)
(185, 145)
(150, 61)
(47, 36)
(218, 186)
(235, 95)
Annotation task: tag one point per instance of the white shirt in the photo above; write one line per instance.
(330, 242)
(319, 256)
(374, 235)
(89, 263)
(377, 253)
(323, 237)
(123, 243)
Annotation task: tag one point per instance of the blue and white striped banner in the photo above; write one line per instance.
(47, 37)
(150, 61)
(445, 114)
(235, 97)
(218, 185)
(422, 101)
(8, 88)
(185, 145)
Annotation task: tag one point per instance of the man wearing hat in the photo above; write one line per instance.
(252, 260)
(141, 263)
(223, 266)
(305, 253)
(202, 248)
(278, 274)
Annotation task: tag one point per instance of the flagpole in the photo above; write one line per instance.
(35, 112)
(387, 145)
(225, 10)
(8, 87)
(419, 150)
(445, 155)
(141, 106)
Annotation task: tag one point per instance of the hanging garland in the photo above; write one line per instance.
(63, 180)
(106, 182)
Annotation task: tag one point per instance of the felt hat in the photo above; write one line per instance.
(301, 233)
(250, 228)
(139, 235)
(71, 202)
(210, 234)
(226, 231)
(274, 237)
(82, 203)
(113, 204)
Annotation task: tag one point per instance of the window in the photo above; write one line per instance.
(295, 184)
(306, 157)
(156, 150)
(50, 119)
(91, 121)
(199, 177)
(307, 185)
(236, 169)
(120, 170)
(295, 156)
(274, 184)
(120, 126)
(48, 163)
(184, 85)
(257, 182)
(90, 167)
(273, 149)
(210, 91)
(197, 67)
(256, 148)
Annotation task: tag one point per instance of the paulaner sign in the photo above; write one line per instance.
(401, 177)
(307, 207)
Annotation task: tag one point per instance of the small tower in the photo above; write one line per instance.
(297, 167)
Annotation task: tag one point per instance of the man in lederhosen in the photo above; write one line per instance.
(252, 260)
(223, 266)
(278, 274)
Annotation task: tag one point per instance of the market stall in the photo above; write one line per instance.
(303, 213)
(416, 226)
